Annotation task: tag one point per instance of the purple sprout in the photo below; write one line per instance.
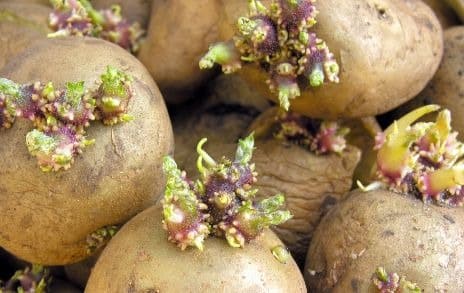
(79, 18)
(220, 202)
(392, 283)
(279, 40)
(33, 279)
(60, 117)
(422, 158)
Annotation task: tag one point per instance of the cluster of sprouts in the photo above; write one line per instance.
(60, 116)
(33, 279)
(279, 40)
(423, 159)
(320, 137)
(79, 18)
(220, 203)
(392, 283)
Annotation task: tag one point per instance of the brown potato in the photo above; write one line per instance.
(43, 2)
(140, 259)
(46, 217)
(21, 25)
(384, 229)
(133, 10)
(179, 34)
(377, 44)
(444, 13)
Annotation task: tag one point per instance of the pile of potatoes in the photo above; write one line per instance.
(96, 225)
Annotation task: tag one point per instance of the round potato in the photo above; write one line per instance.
(384, 229)
(179, 34)
(376, 44)
(21, 24)
(47, 217)
(140, 259)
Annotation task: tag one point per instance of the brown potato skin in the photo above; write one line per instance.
(139, 259)
(21, 25)
(381, 228)
(311, 184)
(385, 58)
(133, 10)
(42, 2)
(47, 216)
(179, 34)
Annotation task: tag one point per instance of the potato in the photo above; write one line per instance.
(48, 216)
(444, 13)
(140, 259)
(78, 273)
(447, 86)
(376, 44)
(381, 228)
(178, 35)
(132, 10)
(21, 24)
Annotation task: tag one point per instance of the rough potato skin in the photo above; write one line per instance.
(47, 216)
(43, 2)
(179, 33)
(381, 228)
(377, 43)
(20, 25)
(444, 13)
(140, 259)
(133, 10)
(311, 184)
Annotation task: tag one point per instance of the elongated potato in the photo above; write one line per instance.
(48, 217)
(140, 259)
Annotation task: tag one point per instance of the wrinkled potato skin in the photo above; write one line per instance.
(179, 34)
(47, 216)
(133, 10)
(140, 259)
(399, 233)
(20, 25)
(311, 185)
(444, 13)
(375, 51)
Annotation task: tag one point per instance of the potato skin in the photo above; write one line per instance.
(311, 184)
(179, 33)
(377, 45)
(21, 24)
(139, 259)
(47, 216)
(399, 233)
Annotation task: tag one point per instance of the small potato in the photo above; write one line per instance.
(179, 34)
(376, 44)
(384, 229)
(47, 217)
(140, 259)
(21, 24)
